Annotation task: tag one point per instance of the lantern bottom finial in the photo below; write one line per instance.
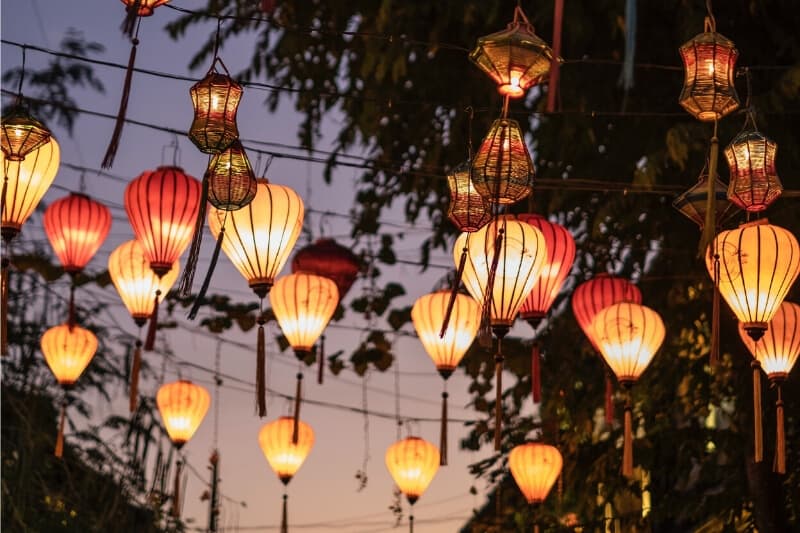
(755, 330)
(500, 330)
(261, 287)
(8, 233)
(412, 499)
(160, 268)
(533, 319)
(285, 479)
(445, 372)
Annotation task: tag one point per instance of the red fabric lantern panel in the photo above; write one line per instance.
(594, 295)
(76, 227)
(331, 260)
(754, 179)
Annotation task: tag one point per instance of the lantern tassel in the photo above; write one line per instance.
(187, 278)
(627, 445)
(285, 514)
(710, 226)
(780, 437)
(4, 307)
(297, 396)
(411, 523)
(498, 407)
(321, 369)
(131, 16)
(454, 292)
(71, 312)
(59, 451)
(758, 440)
(609, 400)
(150, 340)
(443, 432)
(113, 144)
(207, 281)
(714, 355)
(536, 381)
(176, 490)
(135, 367)
(261, 374)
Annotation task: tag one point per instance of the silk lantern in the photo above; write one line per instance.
(502, 170)
(754, 183)
(446, 351)
(68, 350)
(183, 406)
(535, 467)
(412, 463)
(776, 352)
(215, 100)
(258, 240)
(628, 335)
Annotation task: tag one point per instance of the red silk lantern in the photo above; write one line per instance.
(329, 259)
(594, 295)
(76, 227)
(754, 178)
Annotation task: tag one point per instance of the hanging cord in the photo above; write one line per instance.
(136, 366)
(131, 18)
(150, 340)
(59, 450)
(710, 22)
(443, 428)
(113, 144)
(211, 266)
(261, 363)
(710, 226)
(217, 398)
(361, 475)
(321, 357)
(22, 73)
(297, 401)
(780, 436)
(285, 513)
(758, 439)
(627, 445)
(498, 385)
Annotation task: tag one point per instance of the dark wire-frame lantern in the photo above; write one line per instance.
(215, 100)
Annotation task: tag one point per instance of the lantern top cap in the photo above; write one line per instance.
(709, 36)
(519, 32)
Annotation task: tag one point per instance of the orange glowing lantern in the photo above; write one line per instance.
(182, 405)
(412, 462)
(535, 467)
(76, 227)
(754, 181)
(285, 457)
(502, 170)
(303, 305)
(215, 100)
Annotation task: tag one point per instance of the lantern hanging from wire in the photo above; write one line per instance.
(776, 353)
(68, 350)
(628, 335)
(504, 259)
(757, 263)
(502, 170)
(535, 467)
(327, 258)
(515, 58)
(285, 453)
(258, 240)
(183, 406)
(215, 100)
(448, 350)
(21, 133)
(412, 463)
(754, 183)
(692, 202)
(139, 288)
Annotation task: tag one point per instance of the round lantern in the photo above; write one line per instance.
(21, 134)
(754, 181)
(68, 351)
(182, 405)
(535, 467)
(303, 305)
(144, 8)
(162, 205)
(215, 100)
(284, 456)
(412, 462)
(515, 58)
(327, 258)
(467, 210)
(709, 62)
(502, 170)
(76, 227)
(560, 248)
(28, 180)
(758, 263)
(592, 296)
(231, 182)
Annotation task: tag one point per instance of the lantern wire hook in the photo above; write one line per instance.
(711, 22)
(82, 182)
(217, 38)
(22, 71)
(470, 116)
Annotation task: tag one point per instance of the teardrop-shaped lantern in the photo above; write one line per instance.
(467, 210)
(754, 179)
(327, 258)
(692, 203)
(560, 248)
(590, 297)
(215, 100)
(182, 405)
(412, 462)
(515, 58)
(303, 305)
(28, 180)
(502, 170)
(21, 133)
(535, 467)
(68, 351)
(136, 282)
(778, 349)
(759, 262)
(76, 227)
(231, 181)
(260, 236)
(628, 336)
(162, 205)
(284, 456)
(709, 62)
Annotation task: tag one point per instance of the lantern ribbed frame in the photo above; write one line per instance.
(327, 258)
(754, 181)
(284, 456)
(709, 62)
(28, 181)
(560, 246)
(21, 134)
(522, 257)
(502, 170)
(182, 405)
(412, 462)
(515, 58)
(628, 336)
(260, 236)
(146, 7)
(535, 467)
(76, 227)
(231, 181)
(68, 351)
(591, 297)
(215, 100)
(758, 262)
(778, 349)
(136, 282)
(692, 202)
(428, 313)
(303, 305)
(468, 210)
(162, 206)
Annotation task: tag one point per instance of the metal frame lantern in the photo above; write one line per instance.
(215, 100)
(21, 133)
(231, 180)
(412, 463)
(467, 210)
(754, 182)
(502, 170)
(692, 203)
